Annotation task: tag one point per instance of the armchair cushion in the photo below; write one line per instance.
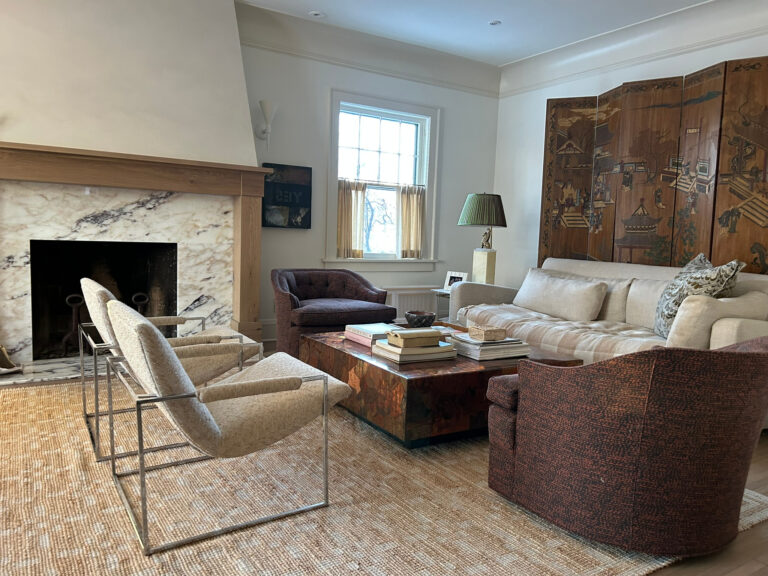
(339, 311)
(229, 390)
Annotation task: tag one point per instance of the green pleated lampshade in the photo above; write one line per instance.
(483, 210)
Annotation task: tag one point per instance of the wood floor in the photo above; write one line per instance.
(748, 554)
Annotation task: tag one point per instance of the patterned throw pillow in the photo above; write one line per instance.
(694, 278)
(701, 263)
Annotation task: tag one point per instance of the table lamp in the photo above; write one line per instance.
(483, 210)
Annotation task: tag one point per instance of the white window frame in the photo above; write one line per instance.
(426, 171)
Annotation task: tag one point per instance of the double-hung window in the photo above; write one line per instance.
(383, 165)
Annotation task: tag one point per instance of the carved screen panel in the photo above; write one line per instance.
(648, 156)
(606, 177)
(695, 185)
(741, 206)
(569, 141)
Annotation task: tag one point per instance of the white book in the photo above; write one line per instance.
(373, 331)
(441, 347)
(464, 337)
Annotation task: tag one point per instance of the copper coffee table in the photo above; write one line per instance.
(418, 403)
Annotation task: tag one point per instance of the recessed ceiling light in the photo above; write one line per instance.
(316, 14)
(494, 22)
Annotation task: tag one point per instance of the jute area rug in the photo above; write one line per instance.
(393, 511)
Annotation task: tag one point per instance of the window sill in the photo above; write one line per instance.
(374, 265)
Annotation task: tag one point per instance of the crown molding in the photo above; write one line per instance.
(714, 24)
(292, 36)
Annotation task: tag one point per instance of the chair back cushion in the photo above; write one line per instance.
(158, 370)
(96, 298)
(312, 283)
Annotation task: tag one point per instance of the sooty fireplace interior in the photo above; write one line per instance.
(141, 274)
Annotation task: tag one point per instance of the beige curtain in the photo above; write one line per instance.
(412, 206)
(349, 235)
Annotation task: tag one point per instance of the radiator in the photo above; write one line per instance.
(406, 298)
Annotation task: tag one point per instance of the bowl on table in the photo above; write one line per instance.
(419, 318)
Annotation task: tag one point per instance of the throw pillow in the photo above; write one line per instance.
(707, 281)
(701, 262)
(614, 307)
(569, 299)
(692, 327)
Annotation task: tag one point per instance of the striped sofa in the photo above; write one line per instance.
(702, 322)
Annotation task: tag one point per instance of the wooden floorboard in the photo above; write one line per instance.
(748, 554)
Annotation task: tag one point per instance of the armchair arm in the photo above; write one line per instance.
(284, 298)
(727, 331)
(228, 391)
(467, 293)
(175, 320)
(199, 350)
(189, 340)
(693, 326)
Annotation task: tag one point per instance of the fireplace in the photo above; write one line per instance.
(141, 274)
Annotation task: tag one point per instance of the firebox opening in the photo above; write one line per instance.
(141, 274)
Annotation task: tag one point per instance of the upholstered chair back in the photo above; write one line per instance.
(96, 298)
(307, 284)
(158, 370)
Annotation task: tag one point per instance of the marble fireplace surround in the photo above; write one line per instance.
(212, 211)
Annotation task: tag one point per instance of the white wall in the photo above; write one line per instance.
(154, 77)
(671, 46)
(301, 134)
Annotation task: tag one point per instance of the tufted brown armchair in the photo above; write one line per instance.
(648, 451)
(323, 300)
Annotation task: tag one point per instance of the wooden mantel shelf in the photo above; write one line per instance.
(33, 163)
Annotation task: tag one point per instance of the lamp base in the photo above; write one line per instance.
(484, 265)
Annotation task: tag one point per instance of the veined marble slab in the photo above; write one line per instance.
(200, 225)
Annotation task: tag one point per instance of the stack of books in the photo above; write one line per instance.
(366, 334)
(489, 349)
(413, 345)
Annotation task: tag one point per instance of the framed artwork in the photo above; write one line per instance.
(287, 197)
(453, 277)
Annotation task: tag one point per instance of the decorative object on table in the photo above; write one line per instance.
(489, 349)
(452, 277)
(419, 318)
(487, 333)
(366, 334)
(483, 210)
(268, 111)
(287, 197)
(415, 345)
(413, 338)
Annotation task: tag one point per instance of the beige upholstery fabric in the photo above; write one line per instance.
(610, 269)
(230, 424)
(692, 327)
(642, 300)
(727, 331)
(590, 341)
(96, 298)
(464, 293)
(159, 372)
(230, 390)
(614, 306)
(570, 299)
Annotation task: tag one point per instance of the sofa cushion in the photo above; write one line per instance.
(642, 300)
(570, 299)
(700, 263)
(338, 311)
(692, 326)
(689, 281)
(590, 341)
(617, 289)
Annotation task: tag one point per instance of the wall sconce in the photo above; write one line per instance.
(268, 111)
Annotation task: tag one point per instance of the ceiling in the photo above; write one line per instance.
(461, 27)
